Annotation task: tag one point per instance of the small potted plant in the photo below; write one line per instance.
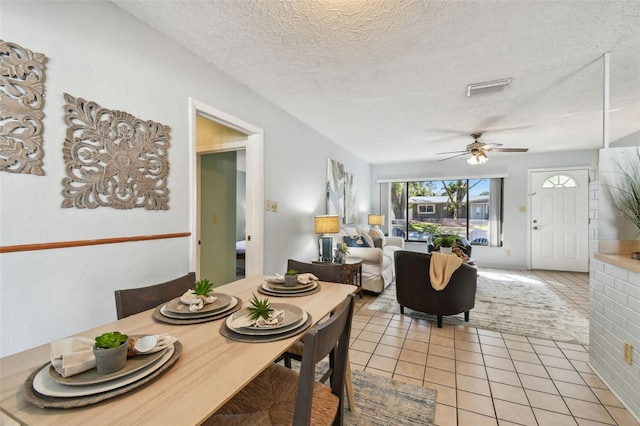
(110, 350)
(445, 243)
(291, 278)
(342, 250)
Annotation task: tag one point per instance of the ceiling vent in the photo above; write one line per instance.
(488, 86)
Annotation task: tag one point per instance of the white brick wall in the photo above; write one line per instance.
(614, 319)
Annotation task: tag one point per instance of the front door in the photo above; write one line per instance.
(560, 220)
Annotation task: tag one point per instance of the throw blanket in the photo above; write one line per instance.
(441, 268)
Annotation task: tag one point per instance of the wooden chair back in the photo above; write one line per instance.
(324, 272)
(330, 337)
(135, 300)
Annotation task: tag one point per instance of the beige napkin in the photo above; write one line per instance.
(277, 316)
(441, 268)
(72, 355)
(195, 303)
(306, 278)
(277, 279)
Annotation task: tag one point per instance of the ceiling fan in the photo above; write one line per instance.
(478, 150)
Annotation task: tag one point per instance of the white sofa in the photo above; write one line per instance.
(377, 267)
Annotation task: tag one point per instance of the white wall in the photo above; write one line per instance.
(99, 53)
(516, 166)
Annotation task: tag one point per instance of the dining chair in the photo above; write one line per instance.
(324, 272)
(282, 396)
(135, 300)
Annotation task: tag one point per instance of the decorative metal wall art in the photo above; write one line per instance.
(113, 159)
(21, 102)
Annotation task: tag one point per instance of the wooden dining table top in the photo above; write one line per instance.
(210, 370)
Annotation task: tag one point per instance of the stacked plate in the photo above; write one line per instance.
(294, 319)
(272, 288)
(50, 389)
(176, 312)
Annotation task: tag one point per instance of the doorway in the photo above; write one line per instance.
(559, 221)
(232, 136)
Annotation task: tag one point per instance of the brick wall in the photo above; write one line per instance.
(614, 319)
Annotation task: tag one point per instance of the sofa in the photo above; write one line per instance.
(378, 269)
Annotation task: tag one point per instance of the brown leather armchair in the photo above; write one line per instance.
(414, 291)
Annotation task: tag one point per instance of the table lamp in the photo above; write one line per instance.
(327, 224)
(376, 219)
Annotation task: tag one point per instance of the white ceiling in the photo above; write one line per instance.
(387, 79)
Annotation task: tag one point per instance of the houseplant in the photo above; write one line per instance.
(628, 189)
(291, 278)
(342, 250)
(445, 242)
(110, 350)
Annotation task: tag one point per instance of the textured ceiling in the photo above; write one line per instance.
(387, 79)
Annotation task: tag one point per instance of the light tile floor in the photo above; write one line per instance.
(484, 377)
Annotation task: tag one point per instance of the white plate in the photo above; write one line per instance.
(43, 383)
(294, 316)
(177, 307)
(267, 286)
(281, 286)
(167, 313)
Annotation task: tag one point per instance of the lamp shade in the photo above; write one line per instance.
(376, 219)
(327, 224)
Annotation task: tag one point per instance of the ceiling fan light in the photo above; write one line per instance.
(488, 86)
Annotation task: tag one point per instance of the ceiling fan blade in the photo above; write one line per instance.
(453, 152)
(509, 149)
(454, 156)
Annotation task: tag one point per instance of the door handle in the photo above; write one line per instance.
(535, 228)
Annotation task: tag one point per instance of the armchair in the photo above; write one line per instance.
(414, 291)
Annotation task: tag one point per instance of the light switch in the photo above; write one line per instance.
(522, 209)
(274, 206)
(267, 205)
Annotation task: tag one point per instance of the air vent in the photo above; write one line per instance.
(488, 86)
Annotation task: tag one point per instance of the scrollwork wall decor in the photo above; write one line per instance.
(113, 159)
(21, 103)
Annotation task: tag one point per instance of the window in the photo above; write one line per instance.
(559, 181)
(470, 208)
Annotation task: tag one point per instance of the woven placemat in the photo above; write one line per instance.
(271, 293)
(161, 318)
(45, 401)
(228, 333)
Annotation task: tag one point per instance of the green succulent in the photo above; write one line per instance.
(110, 340)
(259, 308)
(291, 272)
(203, 287)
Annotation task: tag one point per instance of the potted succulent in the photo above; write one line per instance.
(291, 278)
(110, 350)
(445, 243)
(342, 250)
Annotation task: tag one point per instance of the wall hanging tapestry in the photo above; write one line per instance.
(113, 159)
(21, 103)
(341, 192)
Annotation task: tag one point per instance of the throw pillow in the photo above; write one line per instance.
(377, 233)
(368, 239)
(356, 241)
(377, 242)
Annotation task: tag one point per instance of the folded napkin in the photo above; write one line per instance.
(277, 279)
(195, 303)
(72, 355)
(276, 317)
(306, 278)
(441, 268)
(164, 341)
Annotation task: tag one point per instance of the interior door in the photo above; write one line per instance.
(560, 220)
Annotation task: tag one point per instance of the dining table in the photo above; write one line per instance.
(210, 370)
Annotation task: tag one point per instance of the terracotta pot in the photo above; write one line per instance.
(112, 359)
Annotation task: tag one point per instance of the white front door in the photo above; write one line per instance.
(560, 220)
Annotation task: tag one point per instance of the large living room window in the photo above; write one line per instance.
(470, 208)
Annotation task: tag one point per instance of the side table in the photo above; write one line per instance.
(351, 271)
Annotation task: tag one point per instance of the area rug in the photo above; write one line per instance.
(382, 401)
(504, 303)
